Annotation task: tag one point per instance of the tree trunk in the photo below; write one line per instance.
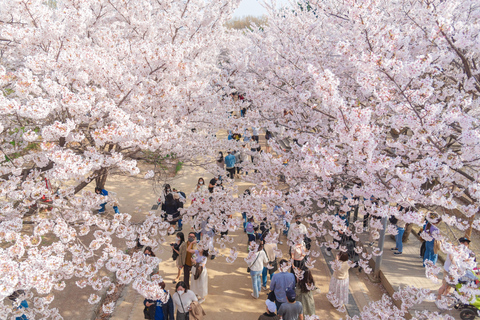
(101, 179)
(408, 230)
(468, 232)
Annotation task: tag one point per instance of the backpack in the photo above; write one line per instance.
(249, 228)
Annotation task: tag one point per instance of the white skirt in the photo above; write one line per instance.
(200, 286)
(339, 288)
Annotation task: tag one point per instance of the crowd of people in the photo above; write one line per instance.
(291, 288)
(291, 281)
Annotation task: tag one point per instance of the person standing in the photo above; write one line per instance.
(432, 231)
(304, 292)
(104, 192)
(340, 279)
(271, 310)
(183, 298)
(268, 136)
(270, 249)
(298, 252)
(293, 310)
(255, 134)
(221, 164)
(157, 309)
(247, 137)
(200, 280)
(186, 251)
(166, 190)
(256, 270)
(200, 185)
(250, 230)
(171, 208)
(399, 237)
(297, 229)
(246, 193)
(281, 282)
(238, 162)
(448, 280)
(230, 165)
(176, 253)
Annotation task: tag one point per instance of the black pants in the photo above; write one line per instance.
(231, 173)
(186, 275)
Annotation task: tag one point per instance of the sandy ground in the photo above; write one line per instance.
(229, 284)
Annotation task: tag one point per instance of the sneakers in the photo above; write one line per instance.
(393, 249)
(264, 288)
(280, 242)
(328, 253)
(397, 253)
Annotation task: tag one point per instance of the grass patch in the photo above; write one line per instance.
(178, 167)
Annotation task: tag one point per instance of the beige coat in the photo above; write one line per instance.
(196, 311)
(342, 272)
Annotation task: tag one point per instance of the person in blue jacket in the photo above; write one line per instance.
(104, 192)
(230, 165)
(157, 310)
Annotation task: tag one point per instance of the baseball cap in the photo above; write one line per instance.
(464, 239)
(291, 294)
(271, 306)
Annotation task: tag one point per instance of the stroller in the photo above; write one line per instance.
(472, 309)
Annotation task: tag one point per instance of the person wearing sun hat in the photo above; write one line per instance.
(293, 310)
(271, 311)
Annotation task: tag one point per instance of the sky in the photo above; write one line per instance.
(252, 8)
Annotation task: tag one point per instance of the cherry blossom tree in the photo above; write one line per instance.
(89, 87)
(363, 99)
(368, 100)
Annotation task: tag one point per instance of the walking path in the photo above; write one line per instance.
(407, 270)
(229, 284)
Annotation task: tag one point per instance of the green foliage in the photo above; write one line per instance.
(7, 92)
(178, 167)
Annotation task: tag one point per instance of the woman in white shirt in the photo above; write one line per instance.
(182, 299)
(256, 268)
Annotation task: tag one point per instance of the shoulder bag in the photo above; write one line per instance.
(198, 271)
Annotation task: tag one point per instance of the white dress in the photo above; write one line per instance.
(339, 287)
(200, 286)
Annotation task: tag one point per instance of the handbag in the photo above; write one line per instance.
(274, 265)
(436, 246)
(146, 313)
(174, 253)
(248, 268)
(198, 271)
